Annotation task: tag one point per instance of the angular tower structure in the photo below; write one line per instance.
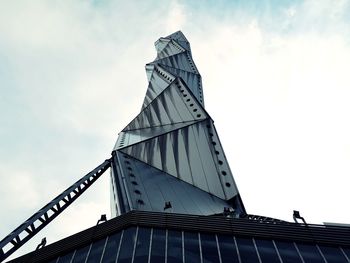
(170, 153)
(174, 198)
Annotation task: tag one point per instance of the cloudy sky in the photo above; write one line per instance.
(276, 82)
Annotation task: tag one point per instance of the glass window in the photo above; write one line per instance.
(158, 246)
(96, 251)
(127, 245)
(347, 252)
(209, 248)
(174, 253)
(267, 251)
(80, 255)
(191, 246)
(142, 245)
(288, 252)
(111, 249)
(333, 254)
(228, 250)
(310, 253)
(247, 251)
(66, 259)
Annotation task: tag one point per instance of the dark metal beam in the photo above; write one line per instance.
(45, 215)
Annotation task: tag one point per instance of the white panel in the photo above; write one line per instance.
(184, 194)
(156, 187)
(171, 109)
(157, 160)
(184, 171)
(144, 122)
(172, 106)
(149, 71)
(169, 153)
(169, 50)
(222, 164)
(163, 114)
(139, 135)
(192, 80)
(163, 53)
(132, 138)
(161, 43)
(210, 170)
(158, 83)
(170, 196)
(195, 163)
(177, 99)
(188, 154)
(155, 117)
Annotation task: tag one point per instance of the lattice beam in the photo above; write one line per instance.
(45, 215)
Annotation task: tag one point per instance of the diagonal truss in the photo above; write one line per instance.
(45, 215)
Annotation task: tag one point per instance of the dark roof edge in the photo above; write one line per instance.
(328, 235)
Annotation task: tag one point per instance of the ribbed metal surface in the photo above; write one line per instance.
(313, 234)
(174, 134)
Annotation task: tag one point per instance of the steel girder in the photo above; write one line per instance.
(45, 215)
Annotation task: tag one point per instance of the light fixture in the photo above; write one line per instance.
(102, 219)
(296, 215)
(42, 244)
(167, 205)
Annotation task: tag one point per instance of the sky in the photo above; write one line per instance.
(275, 81)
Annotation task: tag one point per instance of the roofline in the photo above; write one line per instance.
(320, 234)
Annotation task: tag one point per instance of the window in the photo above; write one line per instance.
(111, 249)
(310, 253)
(247, 250)
(66, 259)
(158, 246)
(80, 255)
(142, 245)
(174, 253)
(288, 252)
(191, 246)
(228, 250)
(267, 251)
(96, 251)
(127, 245)
(333, 254)
(347, 252)
(209, 248)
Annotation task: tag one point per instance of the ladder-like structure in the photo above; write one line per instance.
(45, 215)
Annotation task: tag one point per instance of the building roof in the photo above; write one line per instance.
(271, 230)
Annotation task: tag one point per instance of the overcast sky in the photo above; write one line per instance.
(276, 82)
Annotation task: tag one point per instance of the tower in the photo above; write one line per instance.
(174, 196)
(170, 153)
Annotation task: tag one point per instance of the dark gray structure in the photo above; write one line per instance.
(174, 198)
(140, 236)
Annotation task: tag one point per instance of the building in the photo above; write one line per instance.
(174, 198)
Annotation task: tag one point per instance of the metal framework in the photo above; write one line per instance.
(170, 156)
(168, 171)
(45, 215)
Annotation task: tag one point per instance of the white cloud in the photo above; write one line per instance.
(176, 18)
(280, 106)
